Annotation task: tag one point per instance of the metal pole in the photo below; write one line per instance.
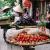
(41, 7)
(28, 48)
(45, 8)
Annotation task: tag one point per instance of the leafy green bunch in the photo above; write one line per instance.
(6, 3)
(11, 2)
(6, 15)
(41, 24)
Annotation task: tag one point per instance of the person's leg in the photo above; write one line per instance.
(47, 31)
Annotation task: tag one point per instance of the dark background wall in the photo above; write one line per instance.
(35, 4)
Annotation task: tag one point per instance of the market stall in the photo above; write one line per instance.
(23, 31)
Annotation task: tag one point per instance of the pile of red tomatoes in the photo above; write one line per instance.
(29, 38)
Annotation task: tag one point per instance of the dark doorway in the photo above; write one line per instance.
(35, 4)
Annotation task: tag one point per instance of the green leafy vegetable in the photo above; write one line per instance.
(6, 15)
(41, 24)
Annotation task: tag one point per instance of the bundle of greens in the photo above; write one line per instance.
(41, 24)
(11, 2)
(4, 3)
(6, 15)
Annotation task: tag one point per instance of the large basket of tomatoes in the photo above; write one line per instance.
(26, 38)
